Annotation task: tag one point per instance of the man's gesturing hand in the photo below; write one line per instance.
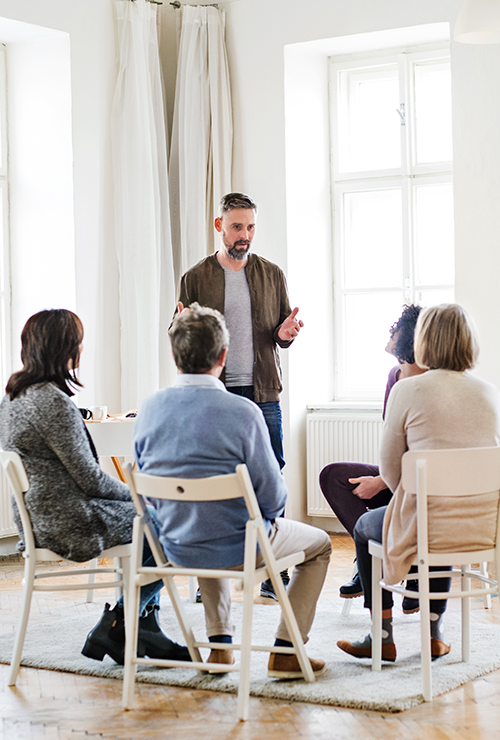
(290, 327)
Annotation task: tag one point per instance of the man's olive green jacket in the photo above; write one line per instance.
(204, 283)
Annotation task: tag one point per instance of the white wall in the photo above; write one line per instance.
(40, 176)
(43, 223)
(260, 35)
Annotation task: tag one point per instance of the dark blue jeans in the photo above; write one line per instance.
(272, 416)
(150, 594)
(369, 527)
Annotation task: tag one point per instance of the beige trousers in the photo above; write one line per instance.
(307, 578)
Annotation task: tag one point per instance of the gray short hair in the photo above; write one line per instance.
(235, 200)
(198, 335)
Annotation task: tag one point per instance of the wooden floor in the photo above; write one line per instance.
(58, 706)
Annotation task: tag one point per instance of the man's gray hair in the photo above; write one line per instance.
(236, 200)
(198, 335)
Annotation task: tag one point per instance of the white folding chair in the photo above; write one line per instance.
(16, 476)
(465, 473)
(115, 439)
(222, 487)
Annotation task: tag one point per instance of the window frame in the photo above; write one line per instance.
(406, 178)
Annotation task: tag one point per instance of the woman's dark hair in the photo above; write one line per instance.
(404, 327)
(50, 346)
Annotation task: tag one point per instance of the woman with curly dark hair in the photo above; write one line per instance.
(351, 489)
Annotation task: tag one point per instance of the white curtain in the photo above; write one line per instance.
(202, 135)
(142, 216)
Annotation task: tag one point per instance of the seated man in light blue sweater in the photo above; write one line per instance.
(197, 429)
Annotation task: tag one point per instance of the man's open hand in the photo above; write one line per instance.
(290, 327)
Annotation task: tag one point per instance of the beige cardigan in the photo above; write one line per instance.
(440, 409)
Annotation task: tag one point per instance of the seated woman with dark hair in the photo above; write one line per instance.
(75, 508)
(447, 408)
(351, 489)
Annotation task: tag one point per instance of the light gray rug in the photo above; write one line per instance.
(56, 644)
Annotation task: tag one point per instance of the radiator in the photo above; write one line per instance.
(7, 526)
(338, 436)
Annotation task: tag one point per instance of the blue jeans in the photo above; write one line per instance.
(150, 594)
(369, 527)
(272, 416)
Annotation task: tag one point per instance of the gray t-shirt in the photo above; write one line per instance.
(238, 316)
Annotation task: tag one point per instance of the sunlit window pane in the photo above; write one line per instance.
(369, 122)
(434, 240)
(372, 239)
(368, 318)
(433, 112)
(430, 297)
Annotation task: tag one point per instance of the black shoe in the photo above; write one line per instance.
(352, 589)
(411, 606)
(107, 637)
(267, 590)
(198, 597)
(285, 578)
(154, 643)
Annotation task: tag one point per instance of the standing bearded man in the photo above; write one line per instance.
(252, 295)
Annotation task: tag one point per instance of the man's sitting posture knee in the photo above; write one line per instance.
(197, 429)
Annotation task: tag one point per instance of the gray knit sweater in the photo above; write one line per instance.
(76, 509)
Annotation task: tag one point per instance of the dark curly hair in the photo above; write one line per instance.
(405, 329)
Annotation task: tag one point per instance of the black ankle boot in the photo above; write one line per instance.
(154, 642)
(107, 637)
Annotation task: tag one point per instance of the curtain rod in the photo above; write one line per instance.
(176, 4)
(153, 2)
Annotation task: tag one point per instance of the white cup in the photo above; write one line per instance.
(99, 413)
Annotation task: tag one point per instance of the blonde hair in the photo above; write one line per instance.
(446, 338)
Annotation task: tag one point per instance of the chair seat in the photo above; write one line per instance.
(149, 575)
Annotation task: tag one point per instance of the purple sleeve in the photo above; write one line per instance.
(391, 381)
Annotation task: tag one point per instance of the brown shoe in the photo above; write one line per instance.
(365, 651)
(288, 667)
(439, 648)
(224, 657)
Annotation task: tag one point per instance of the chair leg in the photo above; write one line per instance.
(131, 639)
(192, 589)
(483, 569)
(182, 619)
(91, 581)
(376, 614)
(466, 616)
(425, 632)
(125, 590)
(131, 603)
(119, 564)
(246, 650)
(29, 576)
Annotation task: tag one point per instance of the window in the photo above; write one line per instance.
(392, 203)
(5, 332)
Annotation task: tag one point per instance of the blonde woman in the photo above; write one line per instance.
(445, 408)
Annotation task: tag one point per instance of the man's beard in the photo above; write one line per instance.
(238, 254)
